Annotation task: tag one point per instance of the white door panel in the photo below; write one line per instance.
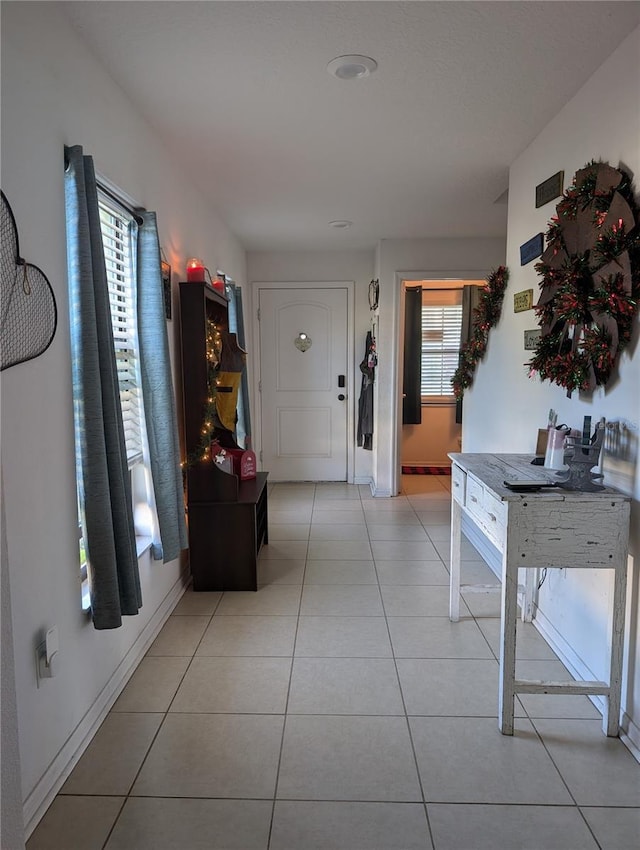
(310, 370)
(304, 432)
(304, 422)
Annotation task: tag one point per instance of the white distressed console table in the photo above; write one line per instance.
(550, 528)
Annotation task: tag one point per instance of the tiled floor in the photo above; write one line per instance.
(339, 709)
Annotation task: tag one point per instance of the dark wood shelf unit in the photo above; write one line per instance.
(228, 518)
(225, 535)
(198, 302)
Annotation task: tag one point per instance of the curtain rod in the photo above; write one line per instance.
(434, 288)
(135, 212)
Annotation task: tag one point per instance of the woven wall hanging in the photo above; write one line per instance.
(28, 315)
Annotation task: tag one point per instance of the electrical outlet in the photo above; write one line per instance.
(42, 671)
(47, 655)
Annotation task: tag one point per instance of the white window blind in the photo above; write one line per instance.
(116, 224)
(441, 327)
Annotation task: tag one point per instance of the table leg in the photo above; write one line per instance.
(454, 569)
(506, 689)
(611, 720)
(529, 589)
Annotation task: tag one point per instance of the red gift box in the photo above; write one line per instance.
(244, 463)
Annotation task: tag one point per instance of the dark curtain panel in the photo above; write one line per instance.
(236, 325)
(101, 457)
(159, 400)
(470, 300)
(412, 377)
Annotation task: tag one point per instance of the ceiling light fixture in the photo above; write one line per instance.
(352, 67)
(340, 224)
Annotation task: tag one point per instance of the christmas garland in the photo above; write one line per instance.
(485, 316)
(209, 414)
(590, 280)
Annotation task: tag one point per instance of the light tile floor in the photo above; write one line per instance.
(338, 709)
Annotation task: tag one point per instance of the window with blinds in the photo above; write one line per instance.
(441, 328)
(116, 224)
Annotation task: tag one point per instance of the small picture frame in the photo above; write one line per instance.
(532, 249)
(166, 289)
(549, 189)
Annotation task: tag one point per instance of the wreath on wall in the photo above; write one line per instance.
(590, 280)
(485, 316)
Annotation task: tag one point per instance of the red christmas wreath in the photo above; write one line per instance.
(590, 281)
(485, 316)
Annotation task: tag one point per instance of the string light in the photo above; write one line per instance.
(213, 349)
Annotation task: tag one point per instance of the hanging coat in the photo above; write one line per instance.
(365, 404)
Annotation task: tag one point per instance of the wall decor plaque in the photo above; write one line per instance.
(523, 301)
(549, 189)
(532, 249)
(531, 339)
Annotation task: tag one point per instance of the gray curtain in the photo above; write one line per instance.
(470, 300)
(103, 475)
(158, 397)
(236, 326)
(412, 372)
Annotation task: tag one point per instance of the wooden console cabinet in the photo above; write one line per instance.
(227, 517)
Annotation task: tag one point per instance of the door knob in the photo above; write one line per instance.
(341, 397)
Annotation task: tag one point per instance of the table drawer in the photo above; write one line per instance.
(495, 518)
(474, 498)
(458, 484)
(490, 513)
(496, 509)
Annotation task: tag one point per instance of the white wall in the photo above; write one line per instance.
(504, 407)
(412, 259)
(54, 93)
(11, 823)
(429, 443)
(305, 266)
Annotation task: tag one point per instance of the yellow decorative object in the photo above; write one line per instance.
(228, 384)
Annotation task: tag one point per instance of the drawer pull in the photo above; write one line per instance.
(456, 483)
(473, 499)
(493, 517)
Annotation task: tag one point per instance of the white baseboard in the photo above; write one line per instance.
(363, 479)
(630, 735)
(629, 731)
(68, 756)
(379, 493)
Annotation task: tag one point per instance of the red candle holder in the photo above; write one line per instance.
(195, 271)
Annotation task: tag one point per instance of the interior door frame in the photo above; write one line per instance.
(403, 277)
(349, 285)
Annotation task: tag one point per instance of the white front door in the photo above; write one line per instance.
(303, 354)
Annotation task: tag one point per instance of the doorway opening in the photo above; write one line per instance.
(432, 329)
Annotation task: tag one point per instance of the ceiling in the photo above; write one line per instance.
(421, 148)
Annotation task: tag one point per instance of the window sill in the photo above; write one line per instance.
(143, 543)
